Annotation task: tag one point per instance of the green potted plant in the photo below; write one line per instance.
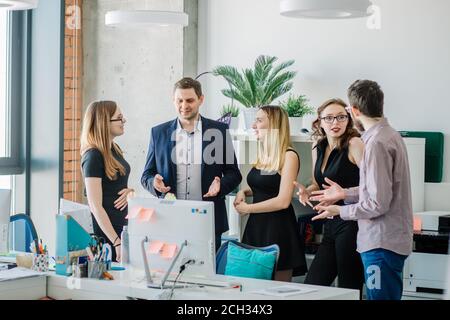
(234, 112)
(296, 107)
(256, 87)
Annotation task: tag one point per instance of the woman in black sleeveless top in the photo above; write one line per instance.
(272, 218)
(336, 156)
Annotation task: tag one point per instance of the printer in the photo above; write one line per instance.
(425, 269)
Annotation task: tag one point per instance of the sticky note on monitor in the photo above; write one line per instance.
(168, 251)
(155, 247)
(133, 212)
(145, 215)
(140, 213)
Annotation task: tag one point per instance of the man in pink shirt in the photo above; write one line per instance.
(382, 202)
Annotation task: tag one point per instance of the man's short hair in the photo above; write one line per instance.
(368, 97)
(189, 83)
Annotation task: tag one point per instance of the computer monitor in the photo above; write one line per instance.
(173, 223)
(5, 212)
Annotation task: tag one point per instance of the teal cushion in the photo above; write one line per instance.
(249, 263)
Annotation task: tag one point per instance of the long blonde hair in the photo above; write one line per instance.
(96, 135)
(272, 149)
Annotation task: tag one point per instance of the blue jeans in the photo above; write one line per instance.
(383, 271)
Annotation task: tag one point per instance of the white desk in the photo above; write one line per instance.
(125, 287)
(24, 289)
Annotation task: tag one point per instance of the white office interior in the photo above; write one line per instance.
(69, 53)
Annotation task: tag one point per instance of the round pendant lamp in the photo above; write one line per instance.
(18, 4)
(325, 9)
(145, 18)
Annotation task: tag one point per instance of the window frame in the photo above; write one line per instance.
(16, 95)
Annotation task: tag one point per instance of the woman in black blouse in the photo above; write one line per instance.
(336, 156)
(105, 171)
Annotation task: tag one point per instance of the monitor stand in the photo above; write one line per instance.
(162, 285)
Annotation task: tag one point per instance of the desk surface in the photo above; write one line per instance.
(126, 286)
(24, 289)
(131, 284)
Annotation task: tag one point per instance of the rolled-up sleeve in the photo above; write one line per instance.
(377, 184)
(351, 195)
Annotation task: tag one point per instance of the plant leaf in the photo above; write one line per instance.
(278, 86)
(263, 65)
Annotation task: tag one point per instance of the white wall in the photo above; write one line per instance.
(134, 67)
(409, 56)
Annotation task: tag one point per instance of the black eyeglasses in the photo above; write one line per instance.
(339, 118)
(120, 119)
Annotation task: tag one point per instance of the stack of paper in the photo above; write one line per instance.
(284, 291)
(18, 273)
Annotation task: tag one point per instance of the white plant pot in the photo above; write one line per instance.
(249, 116)
(296, 125)
(234, 124)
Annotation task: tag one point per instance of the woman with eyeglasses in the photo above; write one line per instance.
(336, 155)
(105, 171)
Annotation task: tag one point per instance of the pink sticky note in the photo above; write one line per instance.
(168, 251)
(134, 212)
(155, 247)
(417, 224)
(146, 214)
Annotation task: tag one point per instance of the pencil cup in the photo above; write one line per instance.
(96, 269)
(40, 263)
(80, 270)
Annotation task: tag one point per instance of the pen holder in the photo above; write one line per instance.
(80, 270)
(96, 269)
(40, 263)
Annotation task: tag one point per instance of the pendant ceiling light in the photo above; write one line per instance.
(325, 9)
(18, 4)
(145, 18)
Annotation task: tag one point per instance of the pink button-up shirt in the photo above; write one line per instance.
(382, 203)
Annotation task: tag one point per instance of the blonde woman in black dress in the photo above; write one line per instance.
(272, 218)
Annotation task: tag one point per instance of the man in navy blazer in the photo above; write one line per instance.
(192, 156)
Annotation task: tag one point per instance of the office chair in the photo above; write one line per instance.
(221, 256)
(21, 232)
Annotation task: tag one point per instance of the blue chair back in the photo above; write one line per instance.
(221, 256)
(21, 233)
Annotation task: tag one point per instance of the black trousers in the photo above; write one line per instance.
(337, 256)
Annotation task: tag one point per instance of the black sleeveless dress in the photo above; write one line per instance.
(92, 164)
(337, 255)
(279, 227)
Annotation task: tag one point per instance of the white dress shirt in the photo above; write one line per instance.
(189, 162)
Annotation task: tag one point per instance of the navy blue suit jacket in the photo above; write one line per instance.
(159, 161)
